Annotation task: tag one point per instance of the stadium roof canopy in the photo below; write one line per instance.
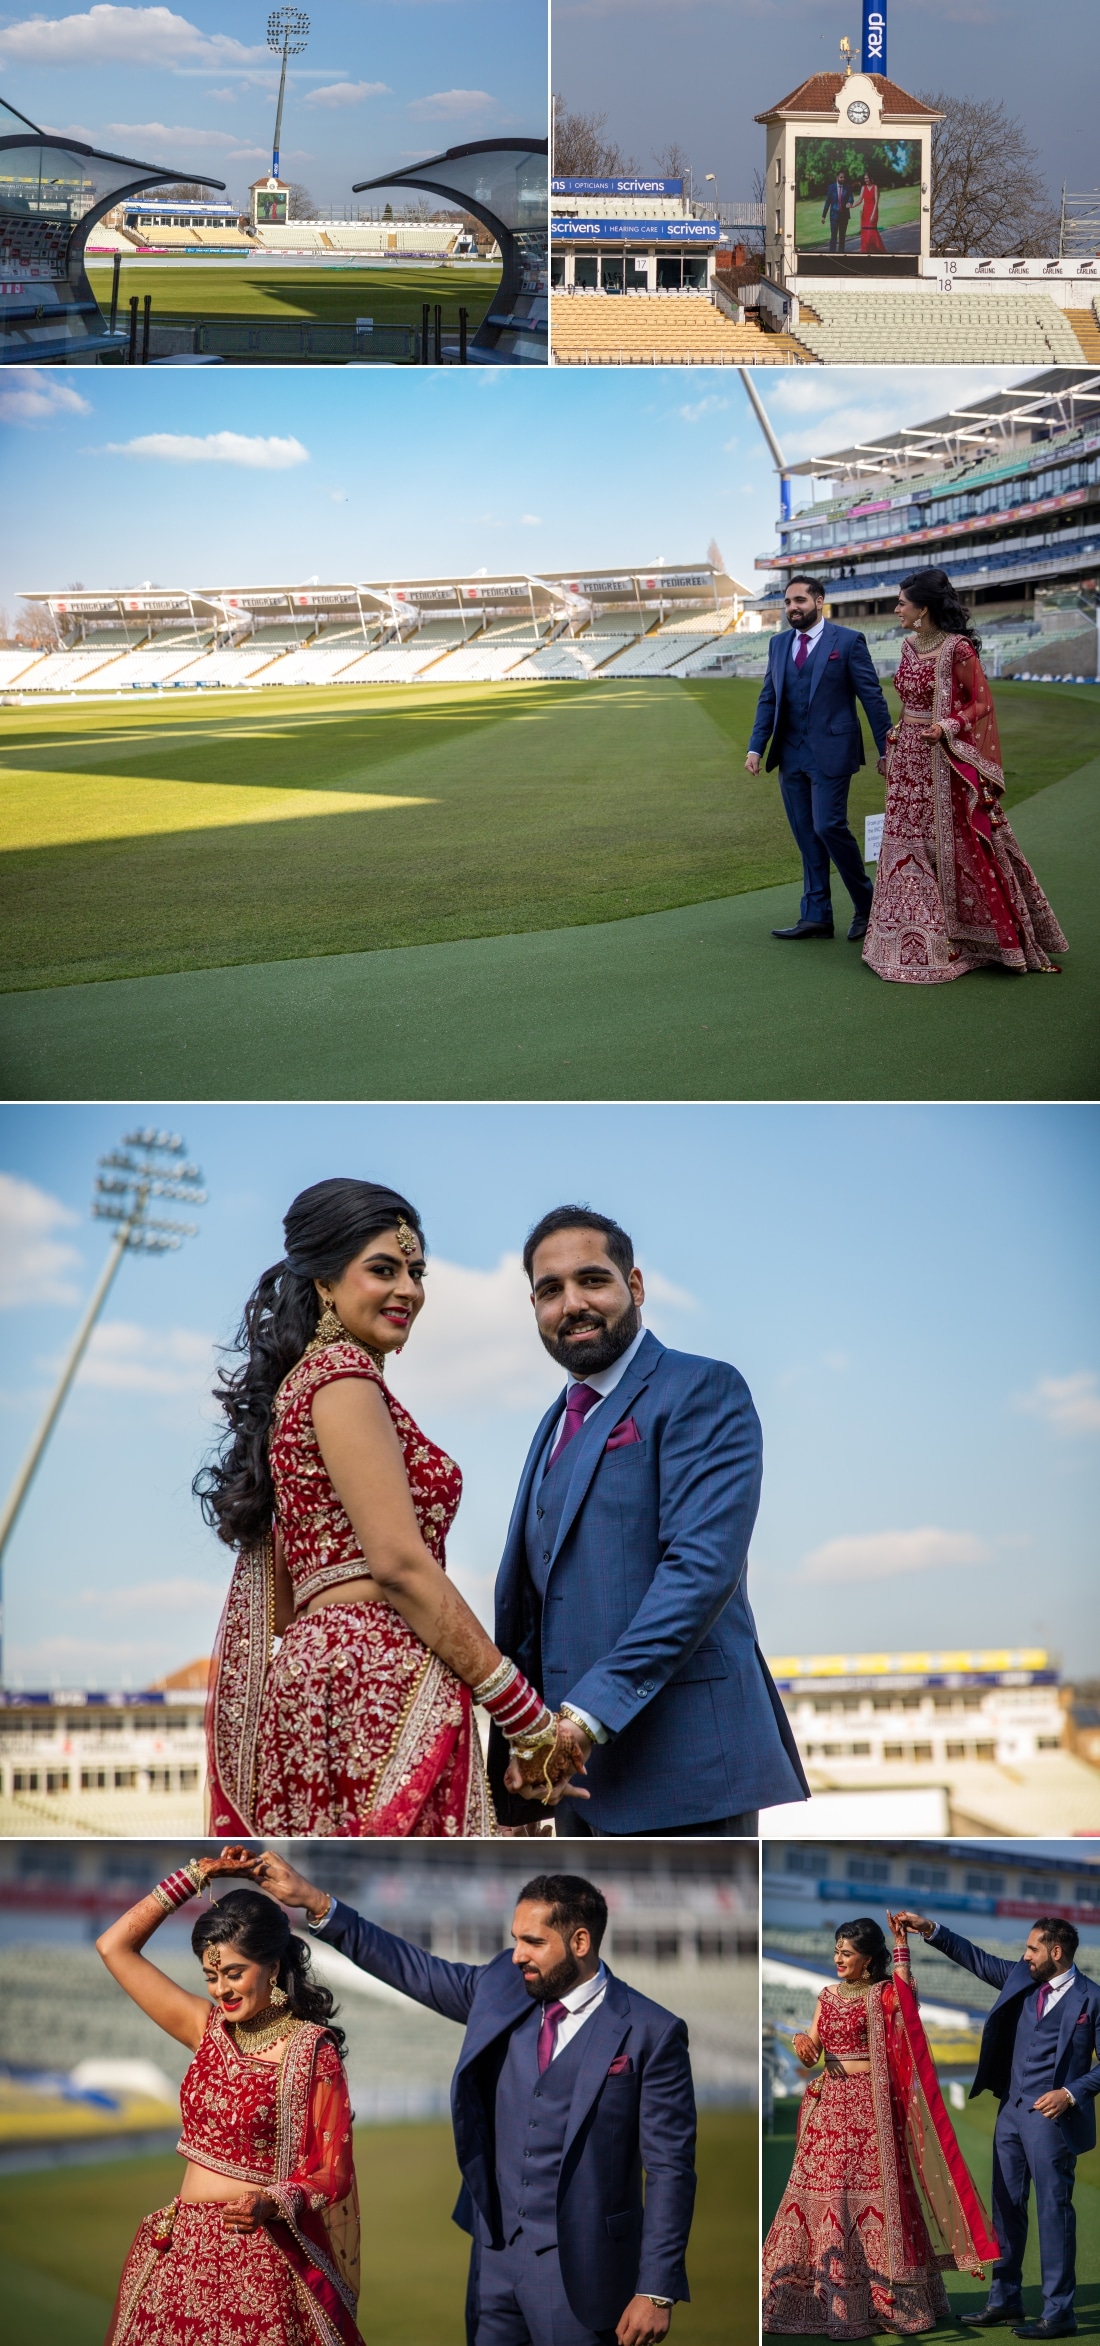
(994, 423)
(519, 592)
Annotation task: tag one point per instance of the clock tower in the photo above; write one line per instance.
(834, 133)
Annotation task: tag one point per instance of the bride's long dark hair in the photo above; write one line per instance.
(932, 591)
(325, 1228)
(868, 1938)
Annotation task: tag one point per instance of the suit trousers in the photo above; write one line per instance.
(1029, 2149)
(521, 2301)
(817, 811)
(571, 1824)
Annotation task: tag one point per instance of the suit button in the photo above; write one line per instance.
(540, 1512)
(546, 1555)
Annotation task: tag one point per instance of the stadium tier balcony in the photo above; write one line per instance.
(15, 663)
(153, 664)
(53, 191)
(314, 664)
(656, 329)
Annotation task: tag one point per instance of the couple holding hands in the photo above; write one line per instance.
(567, 2086)
(624, 1684)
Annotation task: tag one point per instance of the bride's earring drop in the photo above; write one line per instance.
(330, 1326)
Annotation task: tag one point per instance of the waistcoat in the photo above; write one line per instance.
(544, 1513)
(532, 2114)
(794, 724)
(1035, 2053)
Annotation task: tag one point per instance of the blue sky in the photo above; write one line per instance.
(380, 84)
(698, 71)
(354, 475)
(911, 1293)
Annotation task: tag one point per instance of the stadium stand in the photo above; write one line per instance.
(16, 663)
(231, 664)
(579, 657)
(68, 671)
(868, 327)
(479, 663)
(152, 665)
(393, 664)
(661, 329)
(314, 663)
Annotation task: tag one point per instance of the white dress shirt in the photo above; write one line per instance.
(603, 1382)
(580, 2003)
(812, 635)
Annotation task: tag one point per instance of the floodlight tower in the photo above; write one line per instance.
(287, 34)
(147, 1165)
(775, 451)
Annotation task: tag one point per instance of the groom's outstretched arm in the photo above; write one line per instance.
(992, 1968)
(710, 1471)
(446, 1988)
(865, 679)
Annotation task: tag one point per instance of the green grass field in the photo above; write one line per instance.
(974, 2129)
(231, 894)
(63, 2237)
(391, 294)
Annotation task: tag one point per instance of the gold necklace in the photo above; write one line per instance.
(928, 643)
(254, 2036)
(853, 1987)
(338, 1334)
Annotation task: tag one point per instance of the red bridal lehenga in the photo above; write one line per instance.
(879, 2200)
(351, 1725)
(953, 890)
(286, 2128)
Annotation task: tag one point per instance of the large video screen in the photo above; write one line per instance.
(857, 195)
(271, 207)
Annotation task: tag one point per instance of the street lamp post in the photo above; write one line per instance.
(147, 1165)
(287, 34)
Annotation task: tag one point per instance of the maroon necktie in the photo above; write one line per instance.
(1041, 2000)
(802, 651)
(578, 1401)
(548, 2033)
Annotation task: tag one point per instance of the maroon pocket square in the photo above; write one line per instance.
(622, 2067)
(622, 1436)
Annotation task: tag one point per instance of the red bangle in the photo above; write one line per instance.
(176, 1889)
(515, 1707)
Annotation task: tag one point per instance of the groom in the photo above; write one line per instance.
(807, 705)
(1038, 2046)
(567, 2085)
(621, 1593)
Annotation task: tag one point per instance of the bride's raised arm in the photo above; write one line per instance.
(179, 2013)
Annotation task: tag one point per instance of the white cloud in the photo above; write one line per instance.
(451, 105)
(348, 93)
(160, 1598)
(153, 133)
(659, 1290)
(881, 1555)
(251, 451)
(124, 1357)
(1070, 1404)
(29, 397)
(476, 1346)
(35, 1266)
(531, 520)
(122, 37)
(698, 408)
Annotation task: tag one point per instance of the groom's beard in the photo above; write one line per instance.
(554, 1983)
(608, 1340)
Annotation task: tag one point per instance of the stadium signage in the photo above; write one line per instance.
(599, 586)
(985, 1660)
(425, 594)
(874, 36)
(677, 579)
(494, 591)
(255, 602)
(155, 603)
(1067, 267)
(940, 529)
(326, 598)
(81, 606)
(627, 187)
(637, 231)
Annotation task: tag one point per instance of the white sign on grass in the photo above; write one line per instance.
(872, 837)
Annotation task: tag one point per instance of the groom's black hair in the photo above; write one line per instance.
(1054, 1931)
(619, 1246)
(572, 1902)
(816, 586)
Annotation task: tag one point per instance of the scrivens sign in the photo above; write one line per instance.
(635, 231)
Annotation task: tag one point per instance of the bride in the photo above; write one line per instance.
(361, 1721)
(954, 890)
(261, 2245)
(879, 2198)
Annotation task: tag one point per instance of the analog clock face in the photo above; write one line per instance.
(858, 112)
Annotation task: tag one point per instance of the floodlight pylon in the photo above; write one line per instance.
(147, 1165)
(287, 34)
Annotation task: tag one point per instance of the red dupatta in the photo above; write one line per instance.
(242, 1658)
(967, 787)
(953, 2211)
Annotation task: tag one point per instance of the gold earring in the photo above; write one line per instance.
(278, 1995)
(330, 1327)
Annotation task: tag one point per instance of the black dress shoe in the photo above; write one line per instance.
(994, 2317)
(806, 928)
(1043, 2329)
(859, 927)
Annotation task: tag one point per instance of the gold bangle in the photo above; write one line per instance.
(496, 1682)
(193, 1871)
(535, 1739)
(162, 1898)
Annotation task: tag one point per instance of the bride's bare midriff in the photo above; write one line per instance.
(347, 1592)
(200, 2183)
(847, 2068)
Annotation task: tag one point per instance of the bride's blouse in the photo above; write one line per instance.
(842, 2023)
(230, 2102)
(319, 1543)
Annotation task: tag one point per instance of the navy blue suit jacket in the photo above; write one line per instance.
(841, 671)
(610, 2245)
(646, 1621)
(1078, 2034)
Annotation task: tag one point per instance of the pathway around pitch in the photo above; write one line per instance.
(697, 1003)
